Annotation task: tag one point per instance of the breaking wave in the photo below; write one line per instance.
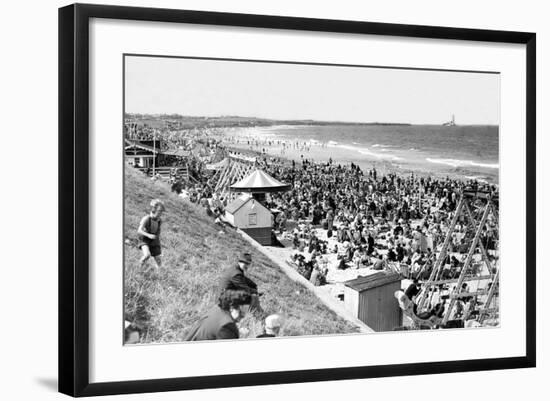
(364, 151)
(462, 163)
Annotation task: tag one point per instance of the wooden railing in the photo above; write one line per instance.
(182, 173)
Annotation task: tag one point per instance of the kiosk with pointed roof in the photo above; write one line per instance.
(247, 211)
(258, 184)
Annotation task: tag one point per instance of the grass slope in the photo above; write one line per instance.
(194, 253)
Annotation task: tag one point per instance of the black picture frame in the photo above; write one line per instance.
(74, 198)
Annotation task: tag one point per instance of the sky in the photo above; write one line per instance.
(158, 85)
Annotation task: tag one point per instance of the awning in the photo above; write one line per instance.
(259, 182)
(177, 152)
(136, 145)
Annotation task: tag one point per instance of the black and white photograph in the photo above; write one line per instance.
(275, 200)
(272, 199)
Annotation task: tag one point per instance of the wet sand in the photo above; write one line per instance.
(253, 140)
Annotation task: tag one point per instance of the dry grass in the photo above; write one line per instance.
(194, 253)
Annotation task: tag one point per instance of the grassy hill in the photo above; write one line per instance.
(194, 253)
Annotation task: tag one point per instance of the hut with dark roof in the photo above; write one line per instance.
(141, 153)
(371, 299)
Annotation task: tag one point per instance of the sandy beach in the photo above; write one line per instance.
(266, 140)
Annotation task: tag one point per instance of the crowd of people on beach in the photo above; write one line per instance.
(372, 219)
(202, 141)
(367, 219)
(265, 146)
(375, 219)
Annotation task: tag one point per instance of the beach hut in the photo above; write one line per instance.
(371, 299)
(141, 153)
(247, 211)
(251, 216)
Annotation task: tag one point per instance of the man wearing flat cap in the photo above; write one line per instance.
(235, 278)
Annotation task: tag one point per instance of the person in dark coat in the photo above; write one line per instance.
(412, 290)
(398, 230)
(370, 242)
(221, 322)
(235, 278)
(400, 253)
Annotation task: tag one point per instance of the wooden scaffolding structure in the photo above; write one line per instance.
(234, 170)
(476, 208)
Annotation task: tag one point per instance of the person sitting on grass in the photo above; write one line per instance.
(149, 233)
(235, 278)
(221, 322)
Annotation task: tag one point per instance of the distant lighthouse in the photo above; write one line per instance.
(450, 123)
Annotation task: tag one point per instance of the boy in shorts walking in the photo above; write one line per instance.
(149, 233)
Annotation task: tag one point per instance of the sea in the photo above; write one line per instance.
(464, 151)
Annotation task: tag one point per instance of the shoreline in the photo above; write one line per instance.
(322, 153)
(459, 152)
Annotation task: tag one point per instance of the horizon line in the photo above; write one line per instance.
(308, 119)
